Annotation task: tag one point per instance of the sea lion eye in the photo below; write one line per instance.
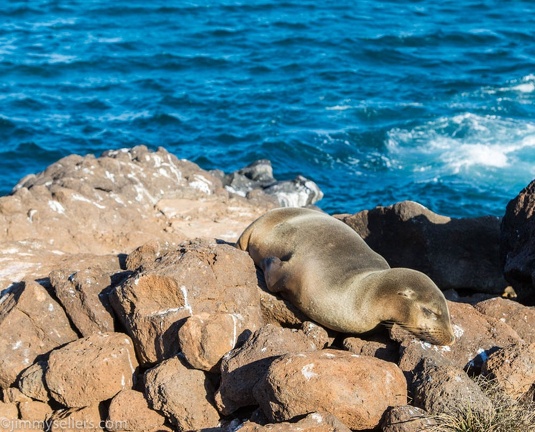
(430, 313)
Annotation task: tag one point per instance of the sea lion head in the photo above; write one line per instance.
(415, 303)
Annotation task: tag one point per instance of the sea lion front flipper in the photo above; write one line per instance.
(274, 273)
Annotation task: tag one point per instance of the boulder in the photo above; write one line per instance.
(9, 415)
(313, 422)
(84, 295)
(34, 411)
(519, 317)
(31, 324)
(407, 418)
(14, 395)
(377, 345)
(184, 395)
(513, 369)
(75, 419)
(32, 382)
(91, 370)
(448, 389)
(517, 243)
(129, 411)
(356, 389)
(200, 277)
(242, 368)
(299, 192)
(455, 253)
(205, 338)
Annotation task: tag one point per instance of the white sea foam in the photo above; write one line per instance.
(464, 143)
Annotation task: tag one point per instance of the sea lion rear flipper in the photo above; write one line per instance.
(274, 273)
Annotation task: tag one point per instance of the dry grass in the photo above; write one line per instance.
(508, 415)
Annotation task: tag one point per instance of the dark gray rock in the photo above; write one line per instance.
(455, 253)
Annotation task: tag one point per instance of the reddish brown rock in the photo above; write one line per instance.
(356, 389)
(517, 243)
(513, 369)
(129, 411)
(145, 255)
(377, 345)
(455, 253)
(32, 382)
(34, 411)
(184, 395)
(519, 317)
(31, 323)
(318, 334)
(91, 370)
(199, 277)
(84, 295)
(205, 338)
(9, 415)
(407, 418)
(242, 368)
(14, 395)
(278, 311)
(76, 419)
(313, 422)
(447, 389)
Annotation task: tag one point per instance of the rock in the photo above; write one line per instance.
(14, 395)
(145, 255)
(84, 295)
(519, 317)
(199, 277)
(242, 368)
(377, 345)
(32, 382)
(447, 389)
(356, 389)
(184, 395)
(278, 311)
(319, 335)
(31, 324)
(205, 338)
(455, 253)
(517, 247)
(513, 369)
(35, 411)
(91, 370)
(9, 415)
(476, 337)
(407, 418)
(129, 411)
(299, 192)
(313, 422)
(76, 419)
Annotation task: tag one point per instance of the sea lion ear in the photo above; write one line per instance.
(407, 292)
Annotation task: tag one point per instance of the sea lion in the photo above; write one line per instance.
(327, 270)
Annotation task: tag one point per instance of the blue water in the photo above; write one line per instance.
(376, 101)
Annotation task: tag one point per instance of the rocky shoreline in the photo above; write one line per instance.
(125, 307)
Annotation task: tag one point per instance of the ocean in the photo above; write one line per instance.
(376, 101)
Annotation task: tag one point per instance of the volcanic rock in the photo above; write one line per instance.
(184, 395)
(84, 295)
(32, 382)
(513, 369)
(454, 253)
(201, 276)
(205, 338)
(407, 418)
(313, 422)
(338, 382)
(519, 317)
(517, 243)
(91, 370)
(8, 411)
(74, 419)
(129, 411)
(31, 323)
(377, 345)
(34, 411)
(447, 389)
(242, 368)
